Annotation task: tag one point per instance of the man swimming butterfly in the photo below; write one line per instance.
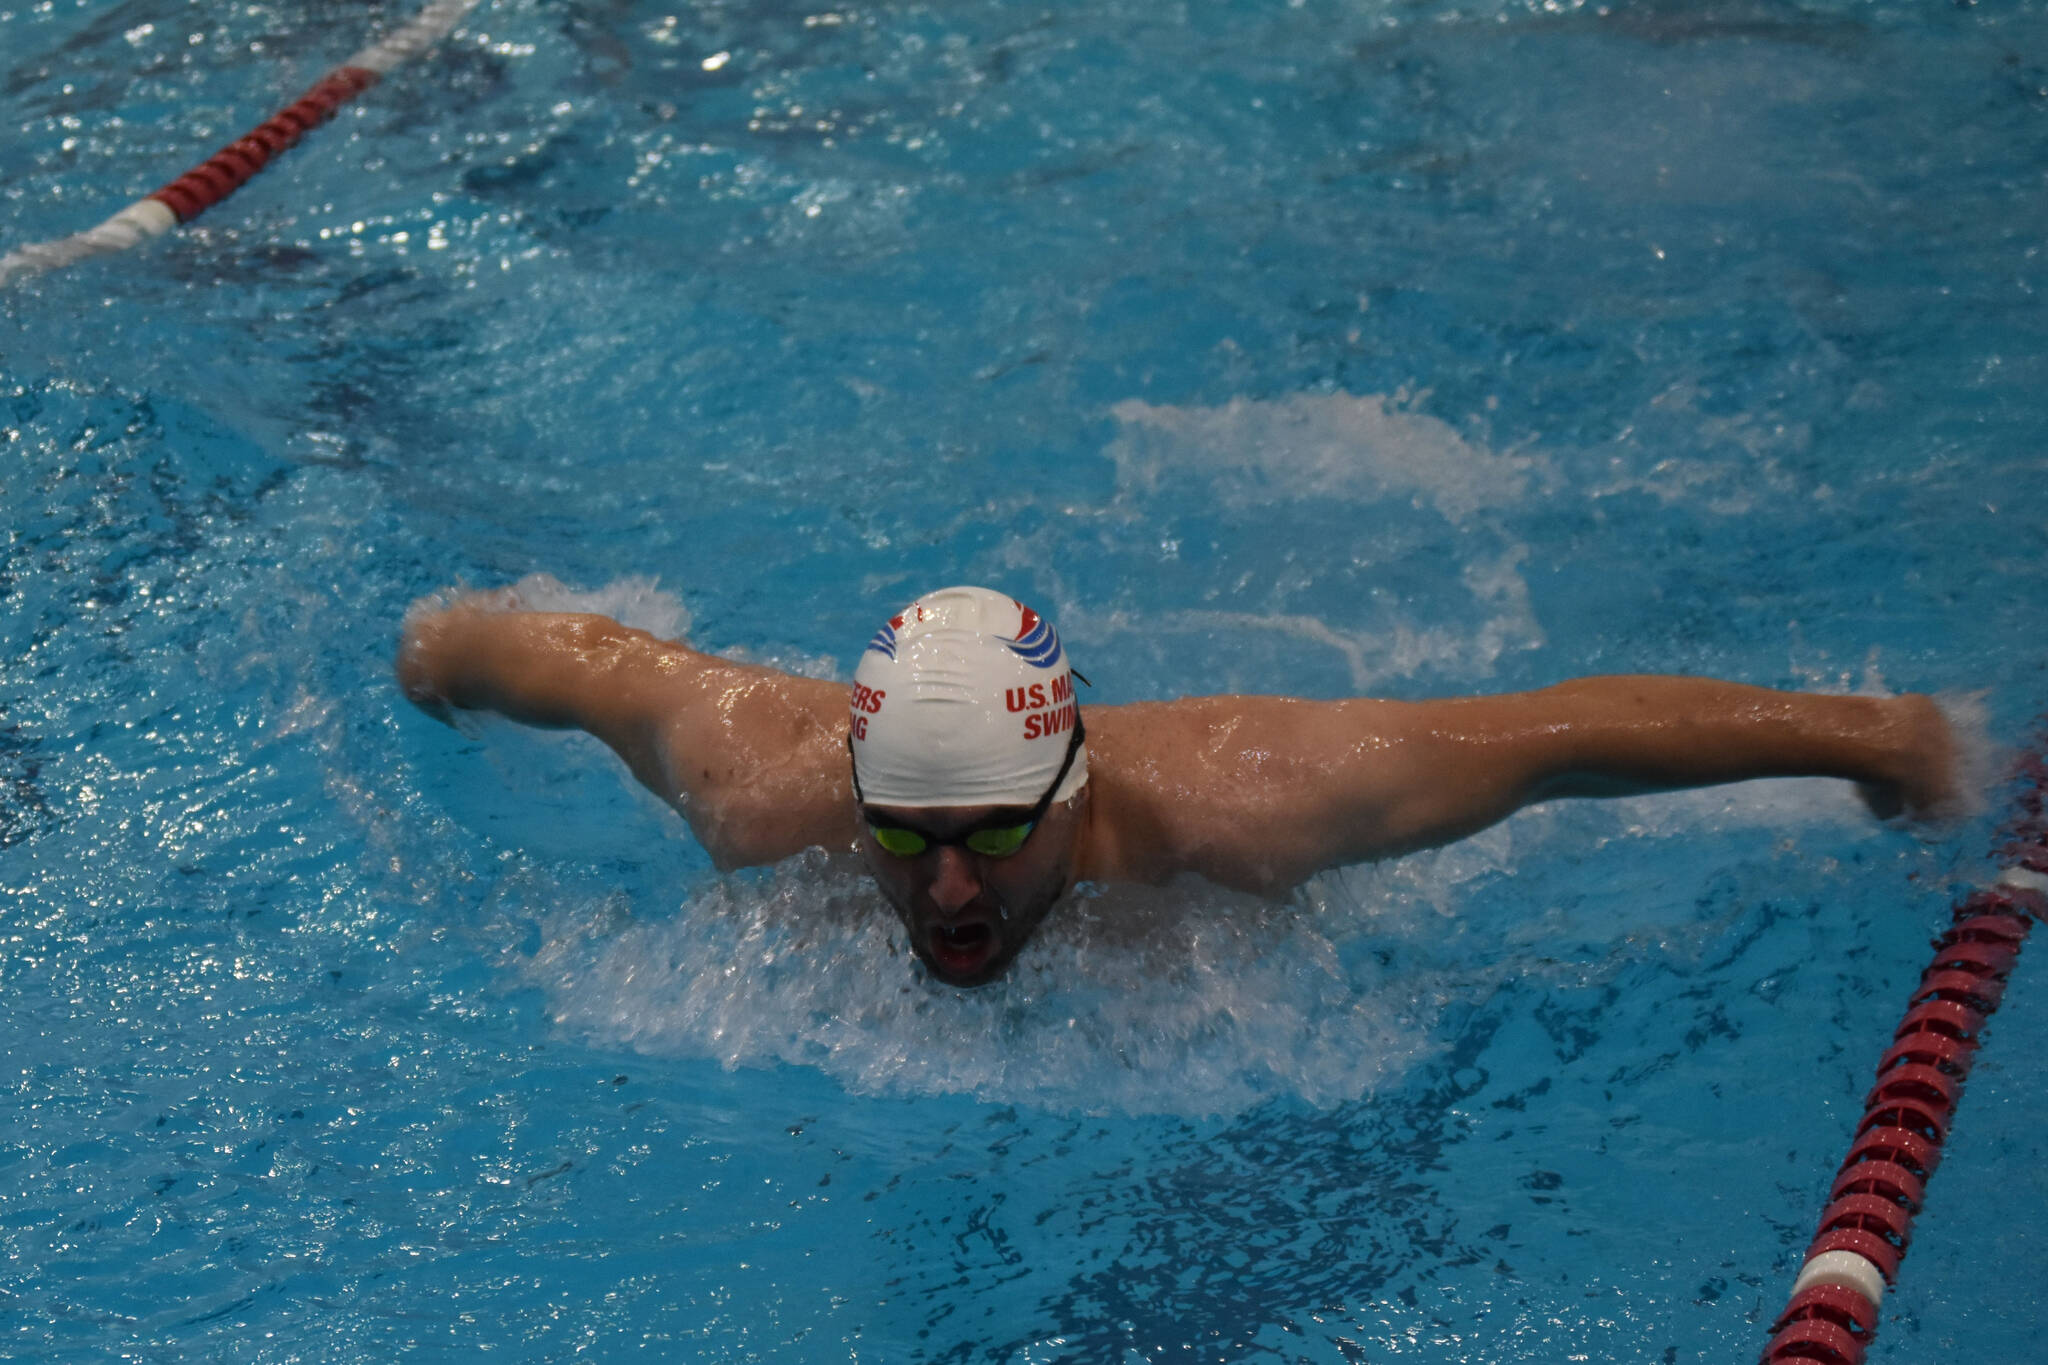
(959, 766)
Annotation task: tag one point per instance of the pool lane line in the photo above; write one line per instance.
(1868, 1223)
(227, 170)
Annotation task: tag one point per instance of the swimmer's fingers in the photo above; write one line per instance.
(1882, 799)
(426, 701)
(1929, 785)
(420, 665)
(1932, 818)
(414, 665)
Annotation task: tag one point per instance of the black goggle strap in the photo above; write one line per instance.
(1066, 765)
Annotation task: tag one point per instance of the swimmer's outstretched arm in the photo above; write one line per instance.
(1283, 789)
(753, 758)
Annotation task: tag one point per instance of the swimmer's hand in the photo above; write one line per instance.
(414, 665)
(427, 643)
(1925, 781)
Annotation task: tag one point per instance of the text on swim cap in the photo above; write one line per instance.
(1043, 724)
(1035, 696)
(866, 702)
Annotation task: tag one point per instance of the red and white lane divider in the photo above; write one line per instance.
(1865, 1229)
(227, 170)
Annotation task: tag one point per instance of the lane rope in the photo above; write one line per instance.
(1867, 1225)
(227, 170)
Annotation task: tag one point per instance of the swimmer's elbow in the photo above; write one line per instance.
(747, 829)
(1270, 868)
(732, 847)
(727, 856)
(722, 837)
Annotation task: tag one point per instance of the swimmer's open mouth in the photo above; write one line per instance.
(960, 949)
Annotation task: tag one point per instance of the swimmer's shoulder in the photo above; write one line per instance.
(1233, 788)
(1158, 773)
(1167, 741)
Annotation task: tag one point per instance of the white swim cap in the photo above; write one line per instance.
(964, 699)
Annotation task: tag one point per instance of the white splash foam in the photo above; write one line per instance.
(1980, 761)
(1188, 1000)
(636, 600)
(1369, 450)
(1737, 459)
(1372, 657)
(1317, 445)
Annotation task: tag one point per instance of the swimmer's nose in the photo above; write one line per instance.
(955, 881)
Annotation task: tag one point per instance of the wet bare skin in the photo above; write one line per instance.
(1253, 793)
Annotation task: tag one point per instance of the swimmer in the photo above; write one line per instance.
(977, 789)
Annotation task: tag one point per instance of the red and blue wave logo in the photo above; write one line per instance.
(1037, 643)
(884, 642)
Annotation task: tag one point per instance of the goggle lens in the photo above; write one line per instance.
(991, 841)
(1002, 841)
(904, 843)
(999, 842)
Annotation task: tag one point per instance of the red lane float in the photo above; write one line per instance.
(230, 168)
(227, 170)
(1868, 1223)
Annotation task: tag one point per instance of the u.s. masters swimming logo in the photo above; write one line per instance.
(1037, 643)
(884, 642)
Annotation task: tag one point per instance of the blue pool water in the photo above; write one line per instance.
(1403, 348)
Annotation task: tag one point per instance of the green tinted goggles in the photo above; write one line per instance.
(991, 841)
(998, 839)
